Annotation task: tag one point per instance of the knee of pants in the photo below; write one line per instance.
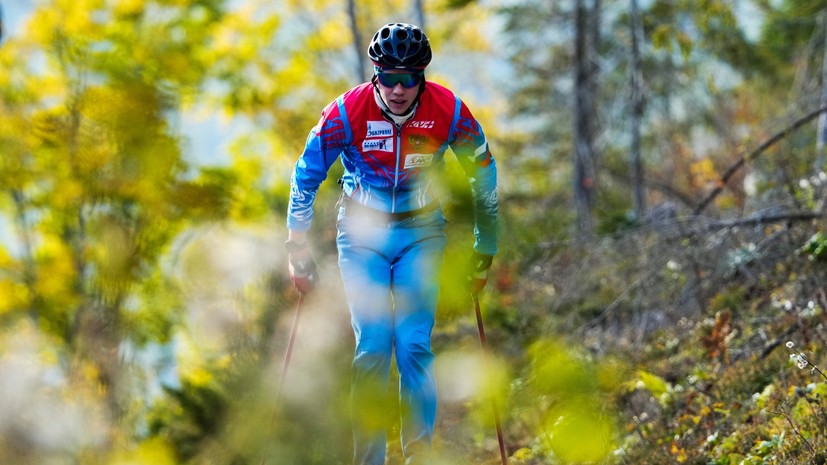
(373, 350)
(369, 357)
(375, 338)
(413, 350)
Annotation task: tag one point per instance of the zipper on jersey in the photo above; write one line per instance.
(396, 172)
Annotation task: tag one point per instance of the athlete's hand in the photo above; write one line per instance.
(302, 270)
(478, 267)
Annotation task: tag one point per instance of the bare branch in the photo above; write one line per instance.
(742, 161)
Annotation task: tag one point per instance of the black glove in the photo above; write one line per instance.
(303, 271)
(478, 268)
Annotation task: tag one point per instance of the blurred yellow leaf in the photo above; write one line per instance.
(653, 383)
(12, 295)
(128, 7)
(703, 171)
(678, 452)
(155, 450)
(57, 271)
(557, 372)
(580, 435)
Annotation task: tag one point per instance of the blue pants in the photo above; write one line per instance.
(390, 272)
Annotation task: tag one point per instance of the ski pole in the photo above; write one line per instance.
(289, 349)
(286, 363)
(484, 345)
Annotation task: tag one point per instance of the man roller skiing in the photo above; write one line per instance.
(391, 134)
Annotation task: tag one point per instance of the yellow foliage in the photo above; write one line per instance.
(652, 383)
(248, 203)
(46, 87)
(67, 193)
(466, 31)
(89, 372)
(128, 7)
(313, 5)
(176, 63)
(155, 450)
(12, 296)
(75, 21)
(70, 17)
(558, 373)
(611, 374)
(243, 34)
(579, 434)
(113, 250)
(192, 365)
(57, 272)
(703, 171)
(523, 453)
(678, 452)
(761, 399)
(727, 201)
(6, 260)
(705, 411)
(661, 37)
(329, 36)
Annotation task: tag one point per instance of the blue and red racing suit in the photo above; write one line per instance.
(387, 168)
(390, 270)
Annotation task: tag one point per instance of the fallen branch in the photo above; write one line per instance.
(763, 219)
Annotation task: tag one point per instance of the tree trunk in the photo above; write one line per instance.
(357, 41)
(583, 143)
(637, 111)
(593, 57)
(419, 14)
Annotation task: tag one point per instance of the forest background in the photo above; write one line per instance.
(661, 279)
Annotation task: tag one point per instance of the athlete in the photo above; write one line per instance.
(391, 134)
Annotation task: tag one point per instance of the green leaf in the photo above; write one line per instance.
(653, 383)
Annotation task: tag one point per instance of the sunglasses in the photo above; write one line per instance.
(408, 80)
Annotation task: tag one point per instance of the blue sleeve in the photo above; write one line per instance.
(471, 148)
(324, 144)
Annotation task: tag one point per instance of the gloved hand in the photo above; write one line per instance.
(302, 270)
(478, 268)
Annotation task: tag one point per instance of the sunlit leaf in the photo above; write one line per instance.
(653, 383)
(579, 435)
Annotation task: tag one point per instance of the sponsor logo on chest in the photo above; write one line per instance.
(382, 145)
(379, 137)
(418, 160)
(420, 124)
(379, 129)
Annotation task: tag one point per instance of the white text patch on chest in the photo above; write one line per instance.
(383, 145)
(379, 129)
(418, 160)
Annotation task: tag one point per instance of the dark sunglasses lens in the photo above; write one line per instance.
(407, 80)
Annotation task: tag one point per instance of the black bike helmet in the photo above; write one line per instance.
(400, 45)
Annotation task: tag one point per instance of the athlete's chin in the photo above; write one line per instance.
(398, 109)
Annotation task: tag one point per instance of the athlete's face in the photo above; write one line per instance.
(398, 89)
